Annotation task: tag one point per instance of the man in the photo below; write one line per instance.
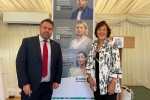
(83, 12)
(39, 64)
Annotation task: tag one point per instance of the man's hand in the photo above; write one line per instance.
(55, 85)
(27, 89)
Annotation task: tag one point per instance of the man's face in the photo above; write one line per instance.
(46, 30)
(82, 3)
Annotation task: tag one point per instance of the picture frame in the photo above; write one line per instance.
(120, 41)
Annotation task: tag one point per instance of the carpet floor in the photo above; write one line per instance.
(140, 92)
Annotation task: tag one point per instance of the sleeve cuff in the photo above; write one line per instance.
(116, 75)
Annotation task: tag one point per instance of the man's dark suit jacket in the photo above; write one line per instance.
(29, 63)
(87, 14)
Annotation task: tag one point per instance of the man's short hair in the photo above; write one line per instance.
(47, 20)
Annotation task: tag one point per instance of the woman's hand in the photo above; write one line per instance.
(92, 84)
(112, 87)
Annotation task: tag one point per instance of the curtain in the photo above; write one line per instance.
(114, 19)
(10, 41)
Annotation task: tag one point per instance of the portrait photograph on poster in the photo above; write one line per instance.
(72, 9)
(74, 35)
(74, 62)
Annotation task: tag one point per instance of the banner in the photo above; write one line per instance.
(73, 30)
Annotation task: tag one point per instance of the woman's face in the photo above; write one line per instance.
(102, 32)
(80, 29)
(81, 59)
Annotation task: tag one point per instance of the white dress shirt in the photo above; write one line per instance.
(41, 40)
(79, 15)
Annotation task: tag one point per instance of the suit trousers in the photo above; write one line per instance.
(44, 93)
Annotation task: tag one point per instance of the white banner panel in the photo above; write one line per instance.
(73, 88)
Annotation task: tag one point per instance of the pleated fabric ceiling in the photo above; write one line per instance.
(101, 6)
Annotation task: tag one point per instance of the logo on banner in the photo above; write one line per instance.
(67, 63)
(63, 36)
(80, 79)
(64, 7)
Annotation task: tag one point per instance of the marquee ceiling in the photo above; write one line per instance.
(101, 6)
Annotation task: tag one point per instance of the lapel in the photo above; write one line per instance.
(96, 42)
(76, 14)
(38, 48)
(84, 13)
(52, 44)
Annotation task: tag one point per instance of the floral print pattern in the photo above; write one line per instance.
(109, 65)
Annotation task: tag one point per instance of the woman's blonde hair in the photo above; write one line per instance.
(86, 27)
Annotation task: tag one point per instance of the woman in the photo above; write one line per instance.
(103, 65)
(81, 63)
(82, 41)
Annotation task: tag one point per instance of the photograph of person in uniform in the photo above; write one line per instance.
(82, 41)
(83, 12)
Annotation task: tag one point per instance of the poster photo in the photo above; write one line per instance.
(120, 41)
(72, 61)
(68, 9)
(67, 34)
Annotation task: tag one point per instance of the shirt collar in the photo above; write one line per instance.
(85, 9)
(41, 39)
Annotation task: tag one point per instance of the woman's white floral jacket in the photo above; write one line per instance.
(109, 65)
